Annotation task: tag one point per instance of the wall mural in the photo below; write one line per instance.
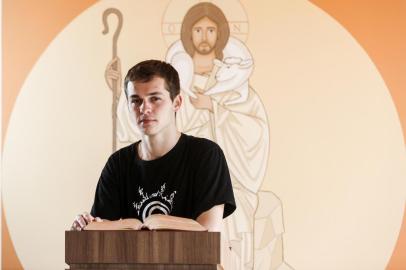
(304, 117)
(215, 66)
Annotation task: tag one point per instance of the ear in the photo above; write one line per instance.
(177, 102)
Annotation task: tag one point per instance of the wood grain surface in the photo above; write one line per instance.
(132, 248)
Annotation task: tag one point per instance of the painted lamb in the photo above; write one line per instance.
(233, 75)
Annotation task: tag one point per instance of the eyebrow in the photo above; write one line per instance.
(150, 94)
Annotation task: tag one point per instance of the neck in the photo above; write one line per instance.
(155, 146)
(203, 63)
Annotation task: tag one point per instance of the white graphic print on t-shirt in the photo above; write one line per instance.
(156, 203)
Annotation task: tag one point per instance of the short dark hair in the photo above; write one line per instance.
(147, 70)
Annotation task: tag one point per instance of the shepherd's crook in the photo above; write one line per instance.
(114, 66)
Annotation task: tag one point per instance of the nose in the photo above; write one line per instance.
(145, 107)
(204, 35)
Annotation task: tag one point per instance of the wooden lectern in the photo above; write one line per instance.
(146, 250)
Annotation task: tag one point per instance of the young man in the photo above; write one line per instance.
(167, 172)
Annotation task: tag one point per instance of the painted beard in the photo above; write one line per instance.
(204, 48)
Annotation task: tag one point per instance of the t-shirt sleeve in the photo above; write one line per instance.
(107, 198)
(213, 184)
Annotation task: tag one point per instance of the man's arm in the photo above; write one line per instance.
(212, 219)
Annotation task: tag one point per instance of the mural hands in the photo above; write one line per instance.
(202, 102)
(112, 74)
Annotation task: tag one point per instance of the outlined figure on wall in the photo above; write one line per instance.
(214, 66)
(113, 71)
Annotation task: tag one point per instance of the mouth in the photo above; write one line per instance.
(146, 122)
(204, 48)
(204, 45)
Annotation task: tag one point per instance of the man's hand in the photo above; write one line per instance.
(82, 220)
(202, 102)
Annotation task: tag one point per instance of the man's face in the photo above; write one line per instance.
(204, 35)
(151, 106)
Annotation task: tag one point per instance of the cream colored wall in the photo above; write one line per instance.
(337, 156)
(336, 150)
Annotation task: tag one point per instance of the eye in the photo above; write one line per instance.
(154, 99)
(136, 102)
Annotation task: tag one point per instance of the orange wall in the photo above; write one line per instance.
(29, 26)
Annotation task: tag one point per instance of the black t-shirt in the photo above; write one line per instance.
(190, 179)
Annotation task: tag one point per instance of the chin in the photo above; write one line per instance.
(150, 131)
